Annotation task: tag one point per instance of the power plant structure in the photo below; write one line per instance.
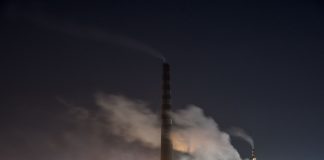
(166, 120)
(253, 155)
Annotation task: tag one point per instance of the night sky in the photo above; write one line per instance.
(257, 65)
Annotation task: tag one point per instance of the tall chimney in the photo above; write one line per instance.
(166, 144)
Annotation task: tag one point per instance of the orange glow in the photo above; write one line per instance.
(179, 144)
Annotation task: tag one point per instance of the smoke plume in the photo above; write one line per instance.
(202, 136)
(131, 120)
(67, 26)
(118, 128)
(238, 132)
(193, 132)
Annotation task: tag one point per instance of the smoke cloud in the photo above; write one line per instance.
(238, 132)
(120, 129)
(131, 120)
(193, 132)
(202, 136)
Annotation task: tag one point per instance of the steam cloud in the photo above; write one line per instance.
(193, 132)
(120, 129)
(202, 135)
(131, 120)
(238, 132)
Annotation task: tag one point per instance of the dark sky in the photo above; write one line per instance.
(253, 64)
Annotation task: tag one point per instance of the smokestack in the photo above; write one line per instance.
(253, 155)
(166, 144)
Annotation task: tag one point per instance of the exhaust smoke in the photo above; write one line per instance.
(119, 128)
(240, 133)
(126, 129)
(42, 19)
(193, 132)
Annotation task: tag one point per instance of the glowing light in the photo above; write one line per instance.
(179, 144)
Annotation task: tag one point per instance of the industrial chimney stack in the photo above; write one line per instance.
(166, 144)
(253, 156)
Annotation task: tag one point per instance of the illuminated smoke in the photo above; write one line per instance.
(131, 120)
(118, 128)
(193, 132)
(202, 136)
(238, 132)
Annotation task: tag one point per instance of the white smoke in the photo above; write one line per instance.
(130, 119)
(200, 134)
(238, 132)
(119, 129)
